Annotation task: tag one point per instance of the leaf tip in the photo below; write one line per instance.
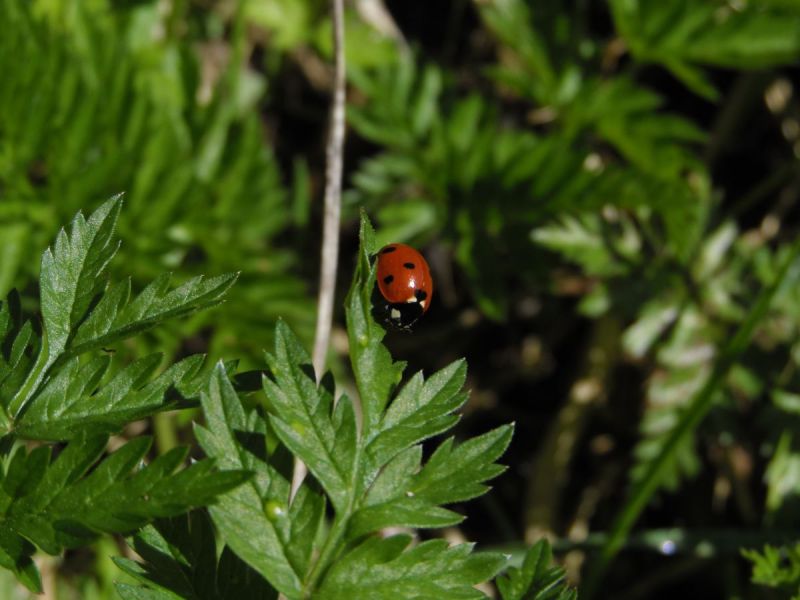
(219, 369)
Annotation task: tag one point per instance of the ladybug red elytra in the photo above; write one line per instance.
(405, 283)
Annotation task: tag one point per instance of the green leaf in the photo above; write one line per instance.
(72, 272)
(403, 494)
(580, 239)
(133, 592)
(17, 352)
(180, 560)
(420, 410)
(65, 502)
(80, 315)
(401, 512)
(305, 421)
(405, 221)
(777, 567)
(179, 554)
(115, 319)
(433, 569)
(511, 22)
(536, 579)
(254, 520)
(455, 474)
(783, 473)
(16, 555)
(73, 403)
(682, 34)
(627, 116)
(391, 502)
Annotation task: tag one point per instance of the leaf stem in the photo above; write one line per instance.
(333, 542)
(329, 549)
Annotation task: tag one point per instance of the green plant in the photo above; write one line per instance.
(535, 579)
(450, 168)
(612, 185)
(95, 102)
(56, 386)
(777, 568)
(683, 35)
(601, 174)
(369, 470)
(181, 560)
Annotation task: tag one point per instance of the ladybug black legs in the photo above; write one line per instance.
(399, 316)
(403, 316)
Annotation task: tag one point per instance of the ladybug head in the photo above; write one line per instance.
(398, 316)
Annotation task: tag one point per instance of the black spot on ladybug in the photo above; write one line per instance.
(388, 249)
(421, 295)
(388, 279)
(409, 265)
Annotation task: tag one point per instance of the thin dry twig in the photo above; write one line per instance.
(333, 197)
(331, 218)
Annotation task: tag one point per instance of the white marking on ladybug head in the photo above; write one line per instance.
(411, 300)
(422, 303)
(395, 314)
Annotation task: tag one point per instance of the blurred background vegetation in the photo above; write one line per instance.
(602, 188)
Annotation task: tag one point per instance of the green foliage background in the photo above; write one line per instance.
(606, 190)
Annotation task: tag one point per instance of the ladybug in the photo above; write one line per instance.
(405, 283)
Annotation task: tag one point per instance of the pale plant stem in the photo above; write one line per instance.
(333, 198)
(331, 217)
